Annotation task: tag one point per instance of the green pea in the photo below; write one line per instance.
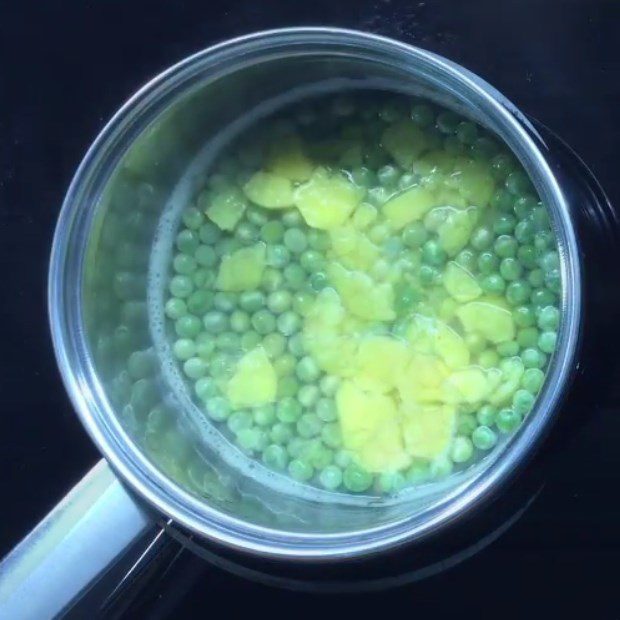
(318, 240)
(203, 278)
(390, 482)
(388, 175)
(467, 132)
(522, 401)
(532, 358)
(300, 470)
(296, 345)
(547, 341)
(331, 477)
(209, 233)
(502, 200)
(205, 388)
(488, 262)
(540, 220)
(549, 318)
(175, 308)
(218, 408)
(205, 345)
(518, 292)
(433, 254)
(294, 276)
(466, 423)
(238, 420)
(508, 421)
(288, 410)
(307, 370)
(467, 259)
(506, 246)
(309, 425)
(302, 302)
(251, 440)
(272, 280)
(536, 278)
(292, 217)
(517, 183)
(192, 218)
(318, 281)
(184, 348)
(484, 438)
(281, 433)
(482, 238)
(228, 341)
(288, 323)
(256, 215)
(488, 359)
(279, 301)
(542, 298)
(239, 321)
(508, 349)
(263, 322)
(524, 316)
(524, 232)
(247, 233)
(278, 256)
(272, 232)
(553, 280)
(215, 321)
(532, 380)
(418, 472)
(221, 365)
(462, 450)
(187, 326)
(225, 302)
(502, 165)
(447, 122)
(183, 264)
(276, 457)
(493, 284)
(510, 269)
(414, 235)
(486, 415)
(329, 385)
(308, 396)
(205, 255)
(527, 337)
(527, 256)
(285, 365)
(200, 301)
(295, 240)
(181, 286)
(187, 242)
(441, 467)
(274, 345)
(363, 177)
(504, 224)
(356, 479)
(251, 301)
(311, 260)
(195, 367)
(250, 340)
(331, 435)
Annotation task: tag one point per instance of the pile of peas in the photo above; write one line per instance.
(512, 253)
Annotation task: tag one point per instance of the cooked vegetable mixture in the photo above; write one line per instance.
(365, 293)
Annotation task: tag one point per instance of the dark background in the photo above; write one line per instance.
(65, 67)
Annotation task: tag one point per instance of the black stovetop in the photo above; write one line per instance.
(65, 67)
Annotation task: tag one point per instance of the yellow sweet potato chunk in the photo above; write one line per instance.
(370, 428)
(254, 382)
(327, 200)
(242, 270)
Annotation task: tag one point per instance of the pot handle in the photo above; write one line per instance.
(95, 526)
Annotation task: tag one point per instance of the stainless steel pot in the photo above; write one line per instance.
(107, 337)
